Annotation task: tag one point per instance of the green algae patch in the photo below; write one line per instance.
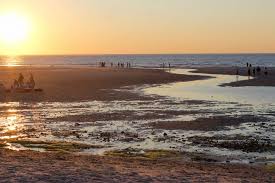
(156, 154)
(148, 154)
(55, 145)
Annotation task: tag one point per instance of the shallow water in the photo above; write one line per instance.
(210, 90)
(125, 124)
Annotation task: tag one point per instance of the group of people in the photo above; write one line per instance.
(102, 64)
(119, 64)
(164, 65)
(253, 70)
(122, 65)
(129, 65)
(20, 84)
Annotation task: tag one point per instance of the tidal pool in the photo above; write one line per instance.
(210, 89)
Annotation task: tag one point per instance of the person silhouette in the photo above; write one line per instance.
(265, 71)
(254, 71)
(31, 83)
(249, 72)
(15, 84)
(21, 80)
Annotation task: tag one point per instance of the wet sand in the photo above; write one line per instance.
(29, 166)
(207, 124)
(84, 83)
(258, 80)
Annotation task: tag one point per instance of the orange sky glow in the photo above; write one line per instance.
(137, 26)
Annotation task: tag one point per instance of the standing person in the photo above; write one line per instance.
(265, 71)
(254, 71)
(249, 72)
(258, 69)
(21, 80)
(15, 84)
(247, 64)
(31, 83)
(237, 73)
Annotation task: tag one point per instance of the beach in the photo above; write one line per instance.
(137, 91)
(83, 83)
(51, 132)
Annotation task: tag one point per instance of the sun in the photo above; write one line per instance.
(14, 28)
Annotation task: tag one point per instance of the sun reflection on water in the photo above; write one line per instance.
(11, 110)
(11, 61)
(10, 125)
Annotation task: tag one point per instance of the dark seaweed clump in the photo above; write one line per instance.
(245, 144)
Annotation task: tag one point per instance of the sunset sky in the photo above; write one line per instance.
(140, 26)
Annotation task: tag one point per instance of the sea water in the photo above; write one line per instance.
(176, 60)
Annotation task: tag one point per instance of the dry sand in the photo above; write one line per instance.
(79, 83)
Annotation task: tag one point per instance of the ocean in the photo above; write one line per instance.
(176, 60)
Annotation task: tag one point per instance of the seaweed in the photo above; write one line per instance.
(54, 145)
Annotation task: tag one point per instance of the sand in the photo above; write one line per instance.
(83, 83)
(26, 166)
(78, 84)
(207, 124)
